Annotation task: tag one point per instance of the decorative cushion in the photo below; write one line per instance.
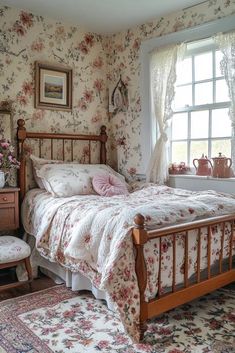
(108, 185)
(64, 180)
(38, 163)
(12, 249)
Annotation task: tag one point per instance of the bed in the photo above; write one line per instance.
(147, 255)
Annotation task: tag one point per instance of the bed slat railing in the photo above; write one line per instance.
(186, 259)
(199, 255)
(71, 146)
(89, 152)
(23, 135)
(160, 268)
(231, 247)
(209, 253)
(221, 249)
(40, 148)
(63, 152)
(203, 283)
(52, 149)
(174, 264)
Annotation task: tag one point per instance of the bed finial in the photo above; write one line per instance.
(21, 136)
(103, 130)
(139, 221)
(21, 130)
(21, 123)
(103, 140)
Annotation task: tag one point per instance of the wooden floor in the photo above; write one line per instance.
(40, 283)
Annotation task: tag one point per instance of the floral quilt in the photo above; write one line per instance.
(92, 234)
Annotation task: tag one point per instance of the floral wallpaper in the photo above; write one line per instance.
(25, 38)
(123, 50)
(97, 62)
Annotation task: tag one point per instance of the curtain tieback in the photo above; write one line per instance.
(164, 136)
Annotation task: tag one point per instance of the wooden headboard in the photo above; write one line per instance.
(23, 135)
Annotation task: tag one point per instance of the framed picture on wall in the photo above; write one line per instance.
(53, 87)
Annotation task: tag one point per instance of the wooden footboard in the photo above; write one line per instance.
(188, 291)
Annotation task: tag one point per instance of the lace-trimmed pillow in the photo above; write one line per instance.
(64, 180)
(108, 185)
(37, 164)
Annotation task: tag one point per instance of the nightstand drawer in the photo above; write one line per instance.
(8, 218)
(7, 197)
(9, 209)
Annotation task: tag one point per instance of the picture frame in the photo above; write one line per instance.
(53, 86)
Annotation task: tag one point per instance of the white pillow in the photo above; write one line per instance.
(37, 164)
(64, 180)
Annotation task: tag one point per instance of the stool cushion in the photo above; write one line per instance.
(13, 249)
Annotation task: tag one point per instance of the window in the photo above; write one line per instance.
(200, 124)
(194, 35)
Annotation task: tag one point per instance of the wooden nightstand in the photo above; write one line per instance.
(9, 208)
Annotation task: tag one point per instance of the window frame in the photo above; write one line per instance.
(148, 131)
(191, 53)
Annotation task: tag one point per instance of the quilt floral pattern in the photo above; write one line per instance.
(92, 234)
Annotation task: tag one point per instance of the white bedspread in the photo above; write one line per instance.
(92, 234)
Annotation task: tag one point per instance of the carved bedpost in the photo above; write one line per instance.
(103, 141)
(140, 237)
(234, 232)
(21, 136)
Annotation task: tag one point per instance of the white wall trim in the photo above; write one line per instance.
(195, 33)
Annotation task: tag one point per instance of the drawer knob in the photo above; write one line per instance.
(4, 198)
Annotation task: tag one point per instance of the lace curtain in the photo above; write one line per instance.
(226, 43)
(163, 77)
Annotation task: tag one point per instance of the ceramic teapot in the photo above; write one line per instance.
(222, 167)
(204, 165)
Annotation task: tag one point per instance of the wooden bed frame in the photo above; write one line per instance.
(176, 296)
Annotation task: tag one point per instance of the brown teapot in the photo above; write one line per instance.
(222, 167)
(204, 165)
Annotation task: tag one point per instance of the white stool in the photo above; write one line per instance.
(14, 251)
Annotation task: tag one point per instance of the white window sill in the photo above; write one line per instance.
(202, 177)
(197, 183)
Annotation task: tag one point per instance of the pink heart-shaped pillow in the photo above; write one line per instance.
(108, 185)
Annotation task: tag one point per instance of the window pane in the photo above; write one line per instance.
(221, 123)
(203, 66)
(184, 71)
(199, 124)
(197, 149)
(218, 58)
(203, 93)
(179, 152)
(223, 146)
(180, 126)
(222, 91)
(183, 96)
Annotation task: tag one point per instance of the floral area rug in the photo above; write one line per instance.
(61, 321)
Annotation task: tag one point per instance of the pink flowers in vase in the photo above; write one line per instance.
(7, 158)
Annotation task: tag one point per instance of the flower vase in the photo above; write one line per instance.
(2, 179)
